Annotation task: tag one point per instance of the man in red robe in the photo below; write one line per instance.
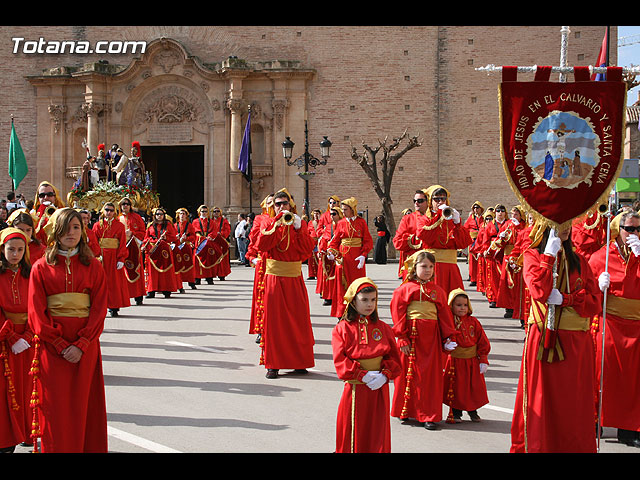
(493, 255)
(204, 263)
(134, 265)
(221, 229)
(405, 241)
(473, 224)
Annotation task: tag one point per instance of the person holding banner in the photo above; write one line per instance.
(134, 264)
(554, 409)
(159, 236)
(113, 250)
(206, 252)
(405, 240)
(287, 337)
(620, 282)
(442, 232)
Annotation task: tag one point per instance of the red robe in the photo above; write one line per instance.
(16, 414)
(135, 279)
(347, 270)
(117, 284)
(556, 400)
(589, 234)
(353, 342)
(425, 333)
(328, 286)
(493, 260)
(446, 239)
(464, 385)
(473, 225)
(184, 248)
(621, 383)
(510, 280)
(521, 306)
(312, 262)
(221, 226)
(287, 338)
(405, 240)
(203, 228)
(36, 251)
(161, 277)
(72, 410)
(258, 275)
(477, 249)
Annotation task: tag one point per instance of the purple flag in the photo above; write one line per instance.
(244, 162)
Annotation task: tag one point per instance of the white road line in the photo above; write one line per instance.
(138, 441)
(206, 349)
(499, 409)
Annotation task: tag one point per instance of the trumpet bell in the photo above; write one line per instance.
(447, 213)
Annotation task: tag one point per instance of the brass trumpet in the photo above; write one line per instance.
(447, 213)
(287, 218)
(49, 210)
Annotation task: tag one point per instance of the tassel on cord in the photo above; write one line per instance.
(411, 366)
(451, 373)
(35, 396)
(8, 373)
(260, 308)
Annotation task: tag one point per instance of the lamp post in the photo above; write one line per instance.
(306, 160)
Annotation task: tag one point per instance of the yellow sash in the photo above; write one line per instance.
(280, 268)
(473, 234)
(19, 318)
(628, 308)
(445, 255)
(423, 310)
(465, 352)
(569, 319)
(109, 242)
(71, 304)
(508, 249)
(352, 242)
(369, 364)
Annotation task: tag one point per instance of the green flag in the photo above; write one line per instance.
(17, 161)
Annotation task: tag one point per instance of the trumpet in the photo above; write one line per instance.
(287, 218)
(49, 210)
(603, 208)
(447, 213)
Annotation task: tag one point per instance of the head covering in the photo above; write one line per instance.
(355, 287)
(266, 204)
(457, 292)
(292, 204)
(429, 193)
(17, 212)
(338, 210)
(182, 209)
(57, 201)
(405, 211)
(352, 203)
(200, 209)
(332, 197)
(478, 204)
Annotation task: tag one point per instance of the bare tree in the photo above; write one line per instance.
(390, 154)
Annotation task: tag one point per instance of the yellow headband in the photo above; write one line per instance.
(457, 292)
(355, 287)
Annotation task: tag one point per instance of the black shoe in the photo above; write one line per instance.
(166, 294)
(492, 305)
(258, 338)
(210, 281)
(326, 302)
(430, 426)
(8, 449)
(221, 279)
(629, 437)
(301, 371)
(311, 278)
(197, 282)
(181, 290)
(508, 313)
(113, 312)
(151, 295)
(272, 373)
(138, 300)
(472, 284)
(474, 416)
(193, 286)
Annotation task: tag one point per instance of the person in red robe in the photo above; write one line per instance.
(493, 255)
(92, 240)
(314, 233)
(134, 229)
(328, 277)
(510, 279)
(159, 236)
(46, 200)
(514, 262)
(325, 219)
(478, 248)
(473, 223)
(23, 220)
(405, 240)
(349, 247)
(554, 410)
(444, 236)
(183, 249)
(620, 282)
(254, 258)
(423, 325)
(16, 339)
(366, 358)
(204, 264)
(113, 250)
(67, 308)
(589, 232)
(287, 336)
(220, 231)
(465, 366)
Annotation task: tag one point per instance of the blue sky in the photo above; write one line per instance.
(628, 56)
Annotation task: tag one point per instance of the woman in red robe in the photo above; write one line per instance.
(554, 408)
(493, 255)
(67, 308)
(514, 261)
(444, 236)
(203, 228)
(423, 324)
(405, 240)
(510, 279)
(186, 239)
(159, 236)
(465, 366)
(92, 240)
(23, 220)
(16, 339)
(366, 358)
(621, 283)
(350, 245)
(473, 223)
(220, 231)
(134, 229)
(314, 233)
(287, 336)
(113, 248)
(478, 248)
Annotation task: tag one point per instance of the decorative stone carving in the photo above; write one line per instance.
(56, 112)
(279, 108)
(171, 104)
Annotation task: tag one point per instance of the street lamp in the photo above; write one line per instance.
(306, 160)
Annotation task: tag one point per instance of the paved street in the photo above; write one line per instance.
(182, 375)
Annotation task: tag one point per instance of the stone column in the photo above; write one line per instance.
(92, 110)
(235, 106)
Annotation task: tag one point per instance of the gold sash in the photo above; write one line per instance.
(508, 249)
(19, 318)
(569, 319)
(445, 255)
(109, 242)
(280, 268)
(351, 242)
(465, 352)
(369, 364)
(473, 234)
(423, 310)
(71, 304)
(628, 308)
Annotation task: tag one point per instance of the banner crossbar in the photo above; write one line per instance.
(493, 68)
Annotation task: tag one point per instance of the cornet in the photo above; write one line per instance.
(447, 213)
(287, 218)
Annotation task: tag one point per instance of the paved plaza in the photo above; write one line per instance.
(182, 375)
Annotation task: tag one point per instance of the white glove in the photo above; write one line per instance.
(555, 297)
(119, 265)
(634, 244)
(370, 375)
(483, 368)
(503, 234)
(361, 259)
(297, 222)
(515, 221)
(456, 216)
(604, 280)
(254, 261)
(20, 346)
(554, 244)
(450, 345)
(378, 381)
(330, 256)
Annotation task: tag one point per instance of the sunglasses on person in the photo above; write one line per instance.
(125, 204)
(439, 199)
(109, 210)
(159, 214)
(500, 210)
(46, 194)
(420, 200)
(630, 228)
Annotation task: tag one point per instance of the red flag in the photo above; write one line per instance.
(602, 58)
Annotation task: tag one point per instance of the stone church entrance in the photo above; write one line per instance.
(177, 174)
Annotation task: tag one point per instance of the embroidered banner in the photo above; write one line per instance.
(562, 142)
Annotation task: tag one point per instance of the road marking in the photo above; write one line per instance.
(139, 441)
(206, 349)
(499, 409)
